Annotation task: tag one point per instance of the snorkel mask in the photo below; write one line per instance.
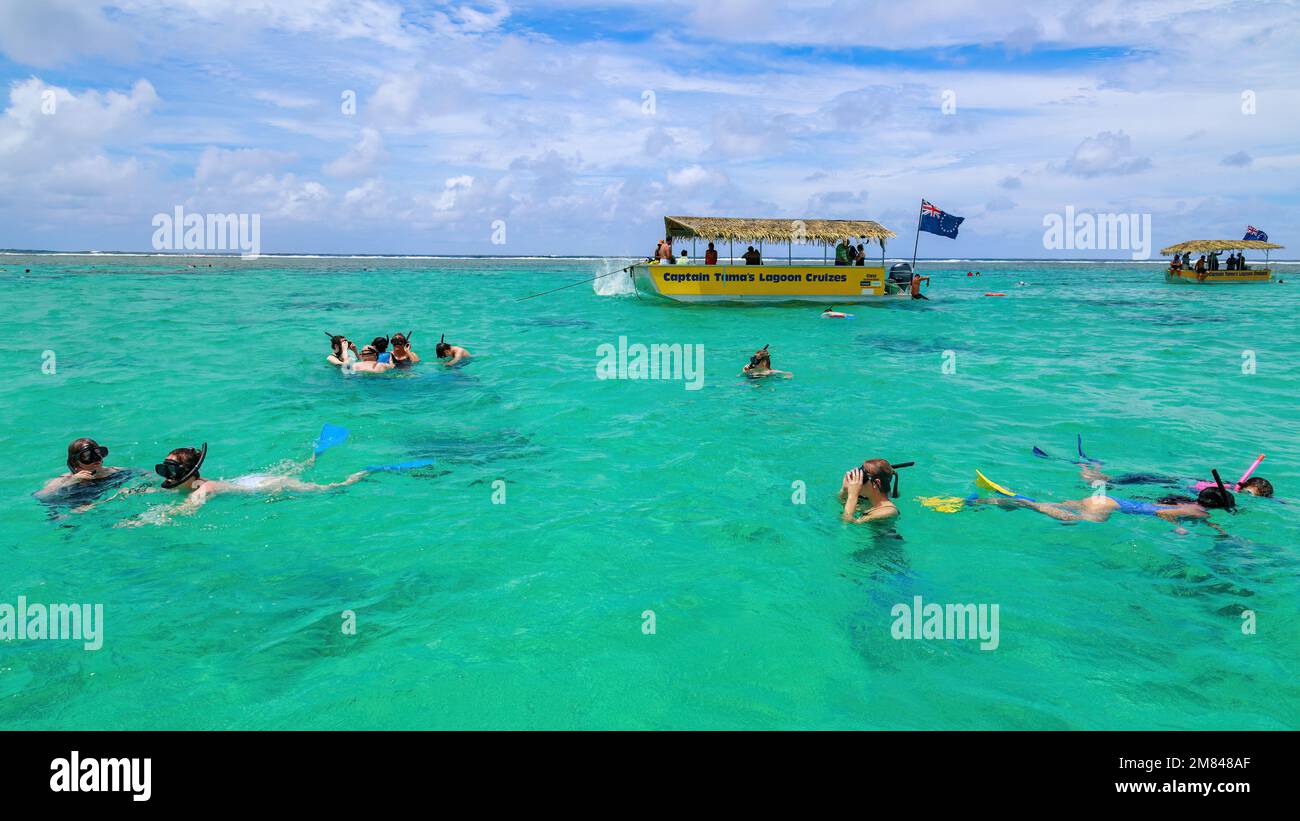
(400, 340)
(87, 454)
(1229, 501)
(867, 476)
(756, 358)
(175, 474)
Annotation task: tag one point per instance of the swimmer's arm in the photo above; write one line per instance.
(850, 487)
(163, 514)
(415, 357)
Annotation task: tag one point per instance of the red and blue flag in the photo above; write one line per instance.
(939, 222)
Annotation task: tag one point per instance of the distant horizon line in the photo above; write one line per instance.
(325, 255)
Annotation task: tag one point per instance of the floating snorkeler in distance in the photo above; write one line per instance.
(760, 365)
(455, 354)
(831, 313)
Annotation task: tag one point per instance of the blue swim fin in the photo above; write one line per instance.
(330, 435)
(1085, 456)
(414, 463)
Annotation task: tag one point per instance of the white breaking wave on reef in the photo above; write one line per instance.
(617, 283)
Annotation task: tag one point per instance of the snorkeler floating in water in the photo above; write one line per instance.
(454, 354)
(1091, 472)
(180, 472)
(87, 478)
(831, 313)
(342, 350)
(760, 365)
(871, 486)
(403, 356)
(1098, 508)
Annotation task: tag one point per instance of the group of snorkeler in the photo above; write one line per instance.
(386, 353)
(867, 493)
(89, 478)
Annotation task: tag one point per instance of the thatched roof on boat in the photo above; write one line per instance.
(1198, 246)
(774, 230)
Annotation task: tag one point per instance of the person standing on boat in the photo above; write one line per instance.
(666, 252)
(752, 256)
(862, 255)
(851, 252)
(711, 255)
(842, 253)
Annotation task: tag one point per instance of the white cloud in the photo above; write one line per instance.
(1108, 153)
(361, 158)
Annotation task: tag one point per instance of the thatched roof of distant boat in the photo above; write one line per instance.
(1198, 246)
(809, 231)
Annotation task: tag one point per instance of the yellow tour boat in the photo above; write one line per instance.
(1179, 272)
(725, 277)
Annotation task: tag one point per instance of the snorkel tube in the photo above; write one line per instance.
(1203, 485)
(1249, 471)
(896, 467)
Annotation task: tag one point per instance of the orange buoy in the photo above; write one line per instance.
(994, 294)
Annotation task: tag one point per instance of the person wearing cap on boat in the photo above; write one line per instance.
(711, 255)
(666, 252)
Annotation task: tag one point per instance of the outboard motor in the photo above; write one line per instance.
(901, 272)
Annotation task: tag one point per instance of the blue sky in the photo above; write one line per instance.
(535, 114)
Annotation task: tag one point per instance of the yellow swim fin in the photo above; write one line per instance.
(943, 504)
(986, 483)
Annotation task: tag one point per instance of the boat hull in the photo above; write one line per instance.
(1218, 277)
(766, 284)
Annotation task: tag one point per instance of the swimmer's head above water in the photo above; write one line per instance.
(181, 466)
(85, 454)
(1257, 486)
(401, 341)
(380, 344)
(337, 341)
(761, 360)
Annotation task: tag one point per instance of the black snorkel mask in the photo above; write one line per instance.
(755, 359)
(88, 455)
(894, 491)
(175, 474)
(1229, 499)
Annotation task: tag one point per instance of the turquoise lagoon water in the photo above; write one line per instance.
(633, 496)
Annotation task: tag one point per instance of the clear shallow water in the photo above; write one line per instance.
(625, 496)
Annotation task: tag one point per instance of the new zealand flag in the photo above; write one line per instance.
(939, 222)
(1254, 233)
